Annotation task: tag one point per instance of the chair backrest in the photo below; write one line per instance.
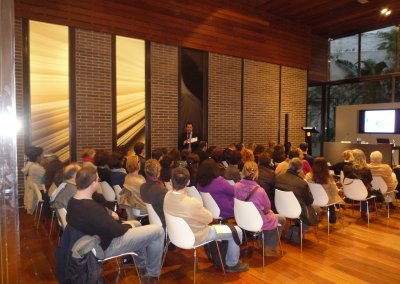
(378, 183)
(193, 192)
(179, 232)
(36, 191)
(210, 204)
(153, 216)
(231, 181)
(117, 190)
(287, 204)
(168, 185)
(354, 189)
(62, 214)
(319, 194)
(108, 191)
(247, 216)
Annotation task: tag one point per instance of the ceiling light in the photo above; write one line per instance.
(388, 13)
(384, 10)
(362, 1)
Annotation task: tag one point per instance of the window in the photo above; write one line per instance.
(49, 88)
(344, 58)
(130, 65)
(314, 115)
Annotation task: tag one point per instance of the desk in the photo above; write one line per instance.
(333, 151)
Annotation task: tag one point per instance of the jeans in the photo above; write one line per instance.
(233, 253)
(147, 241)
(271, 237)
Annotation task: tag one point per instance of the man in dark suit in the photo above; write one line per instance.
(189, 139)
(307, 157)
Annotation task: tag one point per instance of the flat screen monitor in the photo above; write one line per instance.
(378, 121)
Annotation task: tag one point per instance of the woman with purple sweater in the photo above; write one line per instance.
(208, 180)
(247, 189)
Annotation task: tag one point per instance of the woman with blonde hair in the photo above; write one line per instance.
(248, 189)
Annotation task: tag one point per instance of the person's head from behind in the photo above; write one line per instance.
(87, 179)
(233, 157)
(179, 178)
(218, 155)
(258, 150)
(70, 171)
(250, 170)
(279, 153)
(203, 145)
(208, 171)
(376, 157)
(115, 160)
(320, 170)
(295, 165)
(166, 162)
(157, 154)
(247, 155)
(35, 154)
(189, 126)
(132, 164)
(304, 147)
(101, 157)
(264, 159)
(184, 154)
(348, 156)
(152, 169)
(360, 161)
(88, 152)
(294, 153)
(138, 148)
(193, 161)
(271, 144)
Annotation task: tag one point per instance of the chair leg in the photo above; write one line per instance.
(353, 206)
(52, 221)
(376, 209)
(137, 270)
(328, 213)
(40, 214)
(194, 265)
(367, 212)
(220, 257)
(301, 236)
(263, 249)
(279, 239)
(388, 208)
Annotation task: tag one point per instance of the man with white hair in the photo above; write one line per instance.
(384, 171)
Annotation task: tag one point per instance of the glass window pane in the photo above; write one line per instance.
(49, 83)
(314, 106)
(378, 51)
(130, 65)
(397, 94)
(344, 58)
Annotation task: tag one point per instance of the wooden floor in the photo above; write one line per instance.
(353, 253)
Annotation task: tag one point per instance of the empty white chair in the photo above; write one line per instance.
(38, 194)
(321, 198)
(116, 257)
(108, 191)
(117, 190)
(182, 236)
(193, 192)
(248, 218)
(287, 205)
(378, 183)
(355, 189)
(211, 205)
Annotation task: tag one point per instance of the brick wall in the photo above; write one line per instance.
(224, 99)
(164, 96)
(294, 100)
(93, 90)
(19, 86)
(260, 102)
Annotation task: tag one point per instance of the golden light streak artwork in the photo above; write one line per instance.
(49, 83)
(130, 65)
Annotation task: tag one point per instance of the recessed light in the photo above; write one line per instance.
(388, 13)
(384, 10)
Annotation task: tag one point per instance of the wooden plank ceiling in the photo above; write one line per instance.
(331, 18)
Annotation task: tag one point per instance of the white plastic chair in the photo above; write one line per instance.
(38, 194)
(248, 218)
(116, 257)
(321, 198)
(182, 236)
(378, 183)
(231, 181)
(211, 205)
(355, 190)
(193, 192)
(135, 213)
(117, 190)
(287, 205)
(108, 191)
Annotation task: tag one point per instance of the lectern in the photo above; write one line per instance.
(309, 130)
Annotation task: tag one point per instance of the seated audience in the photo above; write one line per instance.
(166, 168)
(385, 171)
(278, 155)
(139, 150)
(266, 176)
(257, 151)
(283, 166)
(116, 238)
(304, 148)
(130, 194)
(348, 159)
(157, 154)
(52, 165)
(210, 181)
(320, 174)
(232, 171)
(271, 146)
(178, 203)
(184, 154)
(202, 151)
(248, 190)
(153, 190)
(60, 198)
(292, 181)
(87, 155)
(247, 155)
(193, 162)
(117, 172)
(219, 157)
(101, 162)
